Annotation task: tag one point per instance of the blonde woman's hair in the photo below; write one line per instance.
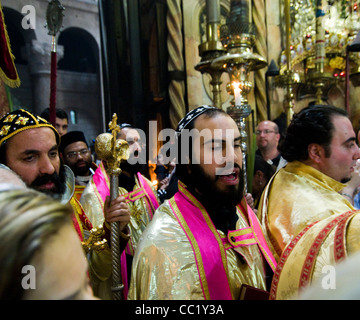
(28, 219)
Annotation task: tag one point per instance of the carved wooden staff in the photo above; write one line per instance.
(113, 151)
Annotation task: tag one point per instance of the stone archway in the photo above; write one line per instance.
(78, 81)
(81, 53)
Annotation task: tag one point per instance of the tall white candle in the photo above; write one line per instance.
(238, 98)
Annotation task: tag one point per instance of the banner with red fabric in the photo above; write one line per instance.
(8, 72)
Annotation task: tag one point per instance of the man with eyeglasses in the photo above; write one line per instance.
(75, 153)
(267, 140)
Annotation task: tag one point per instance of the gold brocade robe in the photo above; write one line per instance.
(164, 266)
(311, 255)
(139, 219)
(297, 196)
(99, 262)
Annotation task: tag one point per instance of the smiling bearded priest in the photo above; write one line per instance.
(205, 242)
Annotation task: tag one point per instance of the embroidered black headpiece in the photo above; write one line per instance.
(20, 120)
(190, 116)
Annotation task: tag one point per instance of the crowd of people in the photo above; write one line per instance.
(197, 235)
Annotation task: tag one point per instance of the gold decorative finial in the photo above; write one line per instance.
(110, 149)
(113, 126)
(113, 151)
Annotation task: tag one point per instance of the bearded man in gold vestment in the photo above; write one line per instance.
(139, 194)
(29, 146)
(308, 221)
(205, 242)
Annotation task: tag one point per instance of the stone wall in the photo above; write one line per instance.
(76, 91)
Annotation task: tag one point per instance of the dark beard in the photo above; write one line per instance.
(81, 171)
(131, 168)
(57, 179)
(205, 186)
(220, 205)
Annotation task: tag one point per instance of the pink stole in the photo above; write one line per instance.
(209, 247)
(102, 190)
(150, 197)
(259, 237)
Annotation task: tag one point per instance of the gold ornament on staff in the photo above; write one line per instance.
(112, 150)
(95, 241)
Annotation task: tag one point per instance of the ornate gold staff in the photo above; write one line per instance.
(113, 151)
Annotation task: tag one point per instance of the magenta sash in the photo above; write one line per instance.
(209, 252)
(150, 197)
(259, 237)
(209, 247)
(102, 190)
(239, 238)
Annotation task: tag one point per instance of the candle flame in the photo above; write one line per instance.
(236, 85)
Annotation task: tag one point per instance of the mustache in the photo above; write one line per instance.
(81, 162)
(39, 181)
(205, 185)
(228, 169)
(131, 168)
(57, 179)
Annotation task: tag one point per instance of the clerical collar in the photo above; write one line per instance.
(86, 178)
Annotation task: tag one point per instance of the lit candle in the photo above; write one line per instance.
(237, 94)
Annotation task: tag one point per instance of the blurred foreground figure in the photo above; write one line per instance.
(338, 283)
(9, 179)
(40, 253)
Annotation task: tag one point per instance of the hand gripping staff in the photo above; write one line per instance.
(113, 151)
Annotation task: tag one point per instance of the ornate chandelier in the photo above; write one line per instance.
(320, 32)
